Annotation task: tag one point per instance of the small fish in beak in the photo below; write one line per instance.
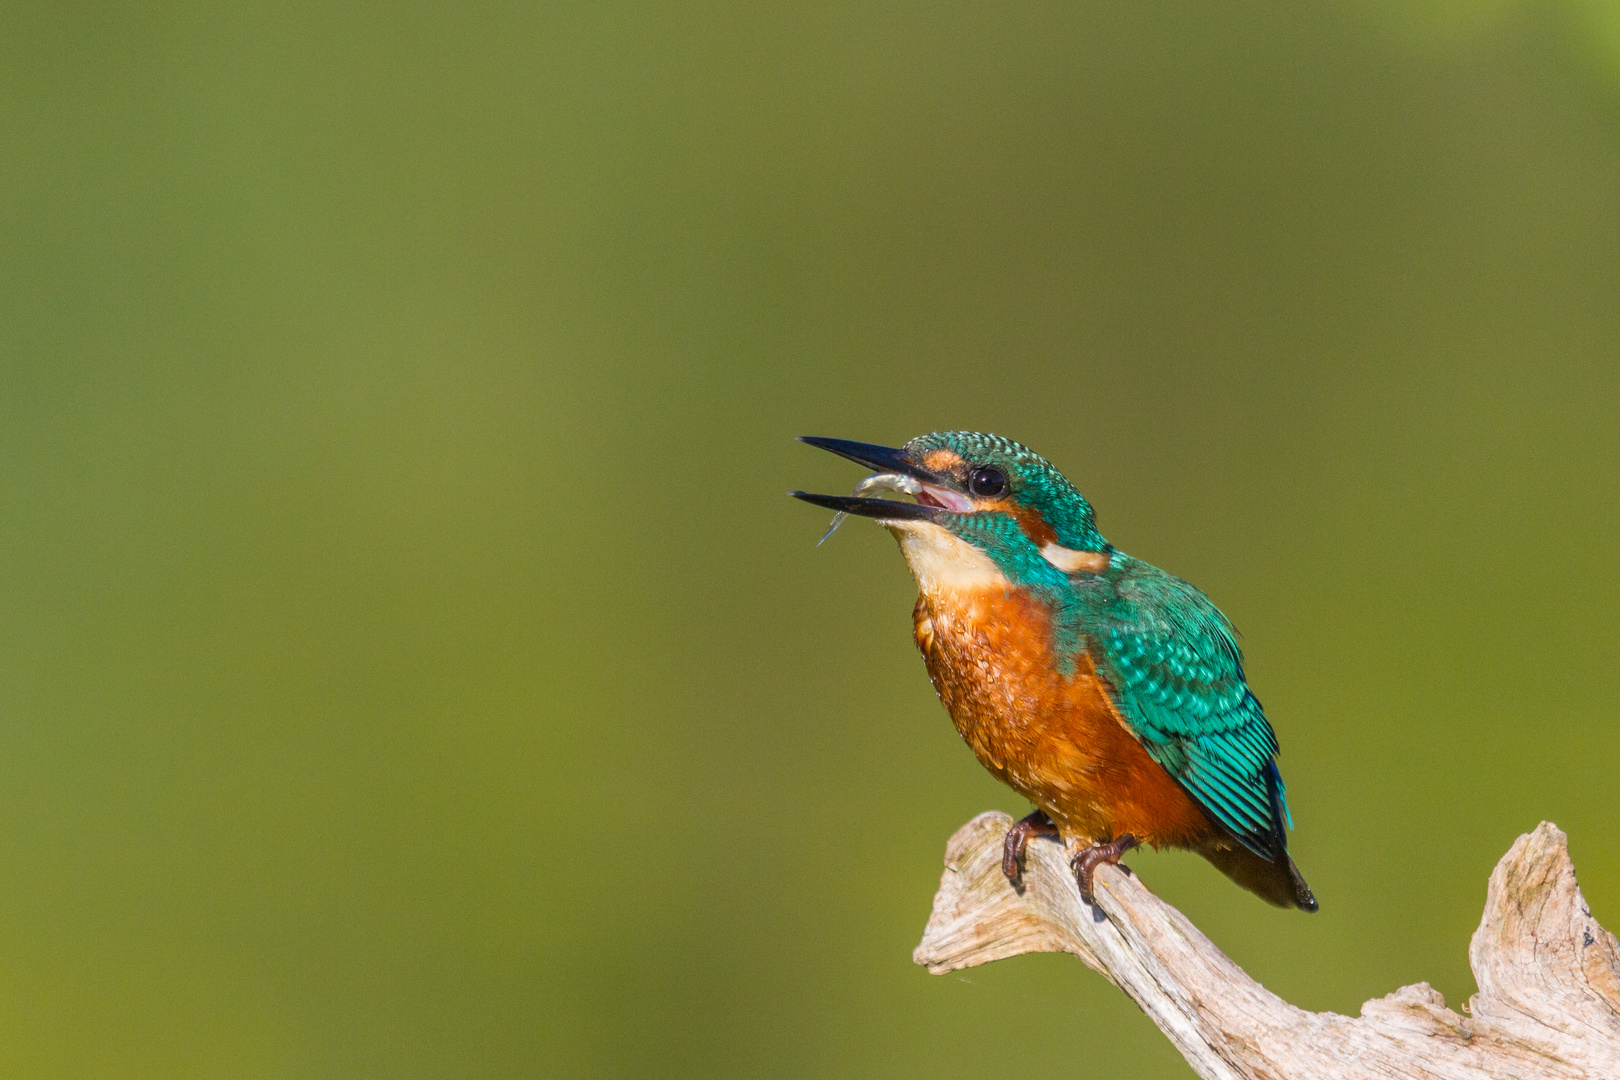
(876, 482)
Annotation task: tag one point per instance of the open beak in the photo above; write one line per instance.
(938, 492)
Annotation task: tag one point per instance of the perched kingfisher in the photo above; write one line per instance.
(1102, 689)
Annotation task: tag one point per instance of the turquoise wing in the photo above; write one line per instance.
(1173, 663)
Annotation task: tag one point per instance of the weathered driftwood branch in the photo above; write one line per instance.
(1548, 1006)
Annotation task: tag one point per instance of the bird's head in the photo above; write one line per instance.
(980, 499)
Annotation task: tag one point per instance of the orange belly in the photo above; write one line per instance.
(1055, 739)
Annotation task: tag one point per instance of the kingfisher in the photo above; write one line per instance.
(1107, 692)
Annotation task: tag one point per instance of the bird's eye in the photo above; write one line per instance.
(987, 483)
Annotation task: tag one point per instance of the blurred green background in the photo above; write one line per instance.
(410, 665)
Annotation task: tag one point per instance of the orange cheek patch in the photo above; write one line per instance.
(942, 461)
(1034, 526)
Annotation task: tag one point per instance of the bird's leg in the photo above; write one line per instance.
(1035, 823)
(1094, 856)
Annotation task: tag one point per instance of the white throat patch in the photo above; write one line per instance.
(943, 562)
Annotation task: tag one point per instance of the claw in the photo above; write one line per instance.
(1035, 823)
(1086, 862)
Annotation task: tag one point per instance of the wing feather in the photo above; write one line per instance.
(1172, 661)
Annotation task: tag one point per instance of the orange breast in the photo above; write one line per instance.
(1055, 739)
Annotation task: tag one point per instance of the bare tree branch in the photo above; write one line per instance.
(1548, 1006)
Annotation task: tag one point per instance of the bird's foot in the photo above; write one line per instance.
(1035, 823)
(1088, 859)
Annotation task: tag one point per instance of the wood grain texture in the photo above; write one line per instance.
(1548, 1006)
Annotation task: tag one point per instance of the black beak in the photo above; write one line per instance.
(887, 459)
(883, 509)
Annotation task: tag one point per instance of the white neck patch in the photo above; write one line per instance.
(1069, 560)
